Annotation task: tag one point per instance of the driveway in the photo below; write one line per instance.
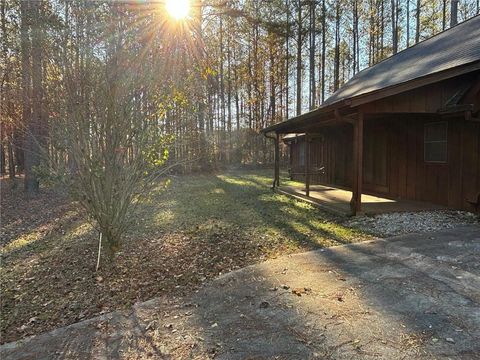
(413, 296)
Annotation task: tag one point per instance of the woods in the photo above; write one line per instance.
(211, 81)
(138, 139)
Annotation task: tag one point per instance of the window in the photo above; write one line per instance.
(301, 153)
(436, 142)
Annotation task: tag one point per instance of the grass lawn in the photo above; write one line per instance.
(196, 228)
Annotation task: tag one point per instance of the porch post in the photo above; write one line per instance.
(307, 165)
(356, 202)
(276, 182)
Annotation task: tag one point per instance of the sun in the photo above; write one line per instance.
(178, 9)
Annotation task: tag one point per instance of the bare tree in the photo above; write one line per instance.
(36, 128)
(312, 38)
(454, 13)
(417, 18)
(299, 57)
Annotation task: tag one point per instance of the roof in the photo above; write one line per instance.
(451, 49)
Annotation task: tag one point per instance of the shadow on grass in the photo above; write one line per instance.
(229, 221)
(200, 227)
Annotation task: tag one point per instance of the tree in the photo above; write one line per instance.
(221, 75)
(336, 66)
(114, 148)
(454, 13)
(299, 56)
(324, 48)
(417, 18)
(312, 38)
(36, 128)
(394, 8)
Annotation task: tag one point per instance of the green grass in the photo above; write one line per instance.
(243, 203)
(192, 230)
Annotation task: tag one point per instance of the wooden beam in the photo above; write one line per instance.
(340, 118)
(360, 161)
(276, 182)
(356, 201)
(307, 164)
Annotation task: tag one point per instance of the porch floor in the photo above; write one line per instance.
(338, 201)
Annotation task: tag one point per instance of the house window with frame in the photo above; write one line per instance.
(436, 142)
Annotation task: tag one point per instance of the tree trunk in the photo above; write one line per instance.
(229, 96)
(382, 30)
(355, 36)
(408, 23)
(324, 14)
(312, 34)
(2, 160)
(26, 70)
(287, 61)
(273, 104)
(336, 70)
(299, 58)
(6, 98)
(454, 13)
(394, 28)
(444, 15)
(417, 17)
(11, 162)
(35, 128)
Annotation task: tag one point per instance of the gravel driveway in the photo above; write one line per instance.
(412, 296)
(394, 224)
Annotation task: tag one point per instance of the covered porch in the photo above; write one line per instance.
(338, 201)
(352, 162)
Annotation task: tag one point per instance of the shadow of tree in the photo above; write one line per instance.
(201, 227)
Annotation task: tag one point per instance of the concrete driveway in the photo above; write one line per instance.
(414, 296)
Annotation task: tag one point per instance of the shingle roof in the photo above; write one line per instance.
(454, 47)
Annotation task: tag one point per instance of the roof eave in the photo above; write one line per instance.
(292, 125)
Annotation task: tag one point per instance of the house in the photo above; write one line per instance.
(406, 129)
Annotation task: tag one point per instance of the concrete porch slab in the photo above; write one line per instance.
(337, 201)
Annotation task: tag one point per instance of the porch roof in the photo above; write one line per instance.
(450, 53)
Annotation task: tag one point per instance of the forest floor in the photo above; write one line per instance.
(192, 230)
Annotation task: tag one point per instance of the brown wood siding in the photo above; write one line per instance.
(394, 164)
(426, 99)
(331, 149)
(470, 162)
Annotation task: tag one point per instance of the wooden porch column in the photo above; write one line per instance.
(356, 202)
(276, 182)
(307, 165)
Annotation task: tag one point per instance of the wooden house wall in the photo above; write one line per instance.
(394, 164)
(330, 149)
(451, 183)
(425, 99)
(393, 159)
